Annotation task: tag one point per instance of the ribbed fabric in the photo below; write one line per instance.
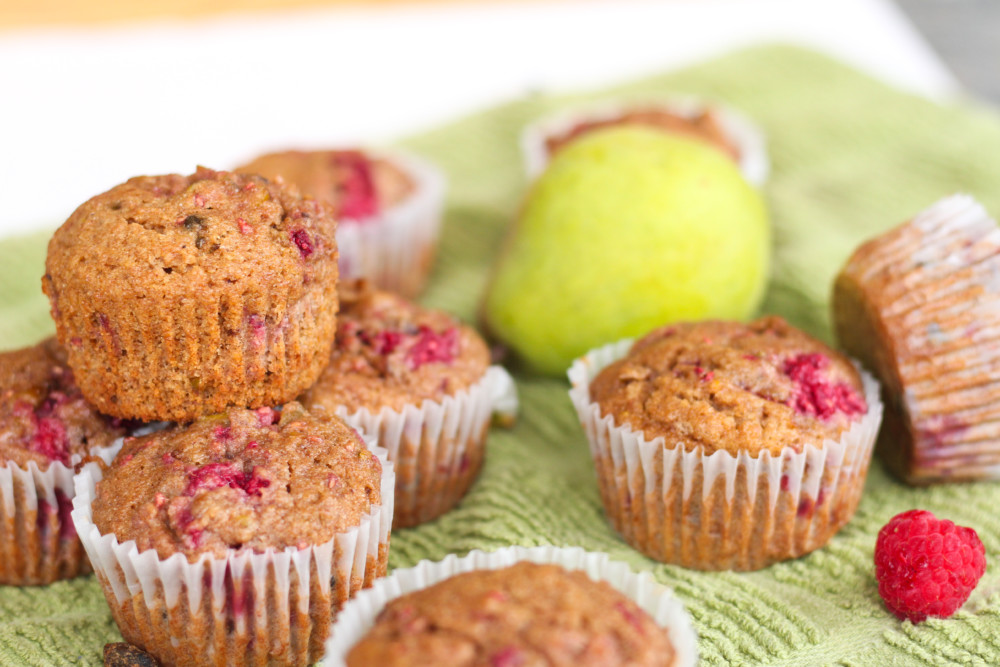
(850, 157)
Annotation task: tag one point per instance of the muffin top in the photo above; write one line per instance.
(754, 387)
(247, 478)
(210, 232)
(356, 184)
(43, 416)
(525, 615)
(703, 125)
(391, 352)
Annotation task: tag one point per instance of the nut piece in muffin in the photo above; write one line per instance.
(178, 296)
(724, 445)
(250, 528)
(397, 370)
(525, 614)
(388, 205)
(918, 305)
(44, 420)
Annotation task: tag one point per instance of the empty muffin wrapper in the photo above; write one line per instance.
(722, 511)
(186, 613)
(739, 131)
(358, 616)
(395, 248)
(437, 447)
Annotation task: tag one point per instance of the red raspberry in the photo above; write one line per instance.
(926, 566)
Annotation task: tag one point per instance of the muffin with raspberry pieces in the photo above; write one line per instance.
(388, 205)
(238, 536)
(178, 296)
(420, 381)
(45, 427)
(524, 614)
(723, 445)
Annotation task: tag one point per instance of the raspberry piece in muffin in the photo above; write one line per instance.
(525, 614)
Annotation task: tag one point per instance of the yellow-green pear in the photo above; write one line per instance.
(628, 228)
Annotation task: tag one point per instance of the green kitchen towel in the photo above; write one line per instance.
(851, 157)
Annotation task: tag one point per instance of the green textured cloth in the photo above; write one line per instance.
(851, 157)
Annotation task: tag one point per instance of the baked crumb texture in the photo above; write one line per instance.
(45, 427)
(388, 205)
(420, 382)
(526, 614)
(235, 540)
(179, 296)
(919, 306)
(722, 445)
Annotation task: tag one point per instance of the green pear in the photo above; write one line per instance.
(629, 228)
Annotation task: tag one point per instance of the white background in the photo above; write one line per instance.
(84, 109)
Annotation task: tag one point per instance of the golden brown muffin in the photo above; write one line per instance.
(525, 615)
(739, 388)
(356, 184)
(918, 306)
(178, 296)
(724, 445)
(252, 529)
(420, 370)
(43, 420)
(703, 126)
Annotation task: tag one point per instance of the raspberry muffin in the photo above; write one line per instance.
(918, 305)
(388, 206)
(45, 428)
(719, 126)
(420, 381)
(236, 539)
(515, 606)
(722, 445)
(178, 296)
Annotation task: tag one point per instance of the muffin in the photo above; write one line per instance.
(388, 206)
(236, 539)
(421, 382)
(918, 305)
(718, 126)
(179, 296)
(723, 445)
(45, 428)
(515, 606)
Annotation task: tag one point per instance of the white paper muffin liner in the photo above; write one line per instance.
(719, 511)
(395, 248)
(740, 132)
(246, 608)
(36, 544)
(437, 447)
(358, 616)
(920, 303)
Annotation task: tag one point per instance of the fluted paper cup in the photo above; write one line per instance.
(721, 511)
(358, 616)
(740, 133)
(245, 608)
(395, 248)
(437, 447)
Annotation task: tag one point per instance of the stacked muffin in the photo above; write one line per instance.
(206, 300)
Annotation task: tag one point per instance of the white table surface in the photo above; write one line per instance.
(84, 109)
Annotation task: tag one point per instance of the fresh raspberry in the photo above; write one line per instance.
(926, 566)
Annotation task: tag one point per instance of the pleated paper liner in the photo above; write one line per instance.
(740, 133)
(437, 447)
(246, 608)
(721, 511)
(920, 306)
(358, 616)
(395, 248)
